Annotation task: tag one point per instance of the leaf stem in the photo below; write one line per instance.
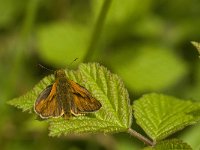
(140, 137)
(97, 29)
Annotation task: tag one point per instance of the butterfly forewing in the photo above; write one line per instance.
(47, 105)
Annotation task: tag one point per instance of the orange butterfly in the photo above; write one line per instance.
(65, 98)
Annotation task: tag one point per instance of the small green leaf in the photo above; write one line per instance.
(114, 116)
(149, 68)
(160, 115)
(197, 45)
(192, 136)
(172, 144)
(60, 43)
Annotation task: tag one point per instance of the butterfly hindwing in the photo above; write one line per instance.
(47, 105)
(82, 102)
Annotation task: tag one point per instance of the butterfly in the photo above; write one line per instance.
(65, 98)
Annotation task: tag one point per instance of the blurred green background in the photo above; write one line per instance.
(147, 43)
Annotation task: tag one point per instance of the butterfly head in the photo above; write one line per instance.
(60, 73)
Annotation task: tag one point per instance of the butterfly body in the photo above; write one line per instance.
(65, 98)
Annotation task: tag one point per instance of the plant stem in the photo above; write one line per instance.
(31, 12)
(21, 47)
(140, 137)
(97, 29)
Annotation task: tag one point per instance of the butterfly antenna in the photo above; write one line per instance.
(73, 61)
(45, 68)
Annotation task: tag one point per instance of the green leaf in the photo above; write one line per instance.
(192, 136)
(129, 9)
(114, 116)
(197, 45)
(172, 144)
(149, 68)
(161, 115)
(60, 43)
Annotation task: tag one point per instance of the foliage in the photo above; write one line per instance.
(173, 144)
(140, 76)
(114, 116)
(72, 37)
(160, 115)
(157, 114)
(146, 44)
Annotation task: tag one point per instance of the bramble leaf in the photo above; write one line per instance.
(160, 115)
(114, 116)
(172, 144)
